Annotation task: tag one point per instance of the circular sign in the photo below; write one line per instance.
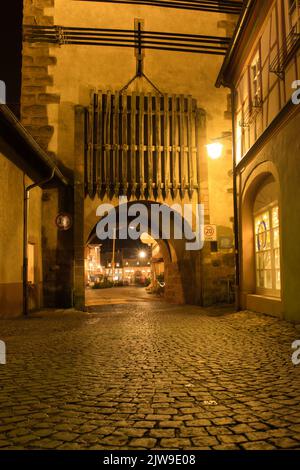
(63, 221)
(209, 231)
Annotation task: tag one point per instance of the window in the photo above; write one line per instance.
(31, 263)
(267, 244)
(255, 80)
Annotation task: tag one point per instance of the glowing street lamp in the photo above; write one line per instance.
(214, 150)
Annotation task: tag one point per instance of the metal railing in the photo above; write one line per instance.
(284, 55)
(250, 113)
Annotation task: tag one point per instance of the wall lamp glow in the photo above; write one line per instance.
(214, 150)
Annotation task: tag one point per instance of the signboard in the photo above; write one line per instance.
(63, 221)
(210, 233)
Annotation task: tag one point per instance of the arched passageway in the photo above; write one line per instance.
(118, 253)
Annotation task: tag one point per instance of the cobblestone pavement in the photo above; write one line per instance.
(118, 295)
(149, 376)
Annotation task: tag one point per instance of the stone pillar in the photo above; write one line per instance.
(174, 289)
(57, 248)
(50, 208)
(79, 195)
(203, 256)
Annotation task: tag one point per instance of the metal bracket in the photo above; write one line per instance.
(139, 52)
(60, 35)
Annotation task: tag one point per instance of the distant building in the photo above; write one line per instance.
(129, 268)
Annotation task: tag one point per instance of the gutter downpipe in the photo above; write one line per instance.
(235, 204)
(25, 238)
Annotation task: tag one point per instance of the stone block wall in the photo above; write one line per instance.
(57, 249)
(218, 278)
(36, 77)
(174, 291)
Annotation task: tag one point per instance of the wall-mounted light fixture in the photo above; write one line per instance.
(215, 148)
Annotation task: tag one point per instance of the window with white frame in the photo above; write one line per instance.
(267, 243)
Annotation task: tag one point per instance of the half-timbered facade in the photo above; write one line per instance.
(263, 68)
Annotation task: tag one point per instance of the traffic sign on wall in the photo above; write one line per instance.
(210, 233)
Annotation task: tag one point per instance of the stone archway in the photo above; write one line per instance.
(182, 267)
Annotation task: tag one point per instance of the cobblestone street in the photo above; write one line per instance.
(149, 376)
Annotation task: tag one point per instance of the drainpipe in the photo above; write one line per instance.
(113, 255)
(25, 238)
(235, 204)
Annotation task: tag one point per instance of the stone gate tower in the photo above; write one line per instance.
(147, 142)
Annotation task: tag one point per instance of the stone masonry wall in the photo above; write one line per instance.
(35, 76)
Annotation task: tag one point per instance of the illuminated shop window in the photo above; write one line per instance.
(267, 251)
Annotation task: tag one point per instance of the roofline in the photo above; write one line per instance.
(243, 20)
(29, 143)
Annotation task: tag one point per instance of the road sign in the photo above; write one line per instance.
(210, 233)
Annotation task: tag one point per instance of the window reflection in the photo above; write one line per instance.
(267, 247)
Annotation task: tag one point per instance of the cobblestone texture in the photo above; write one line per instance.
(149, 376)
